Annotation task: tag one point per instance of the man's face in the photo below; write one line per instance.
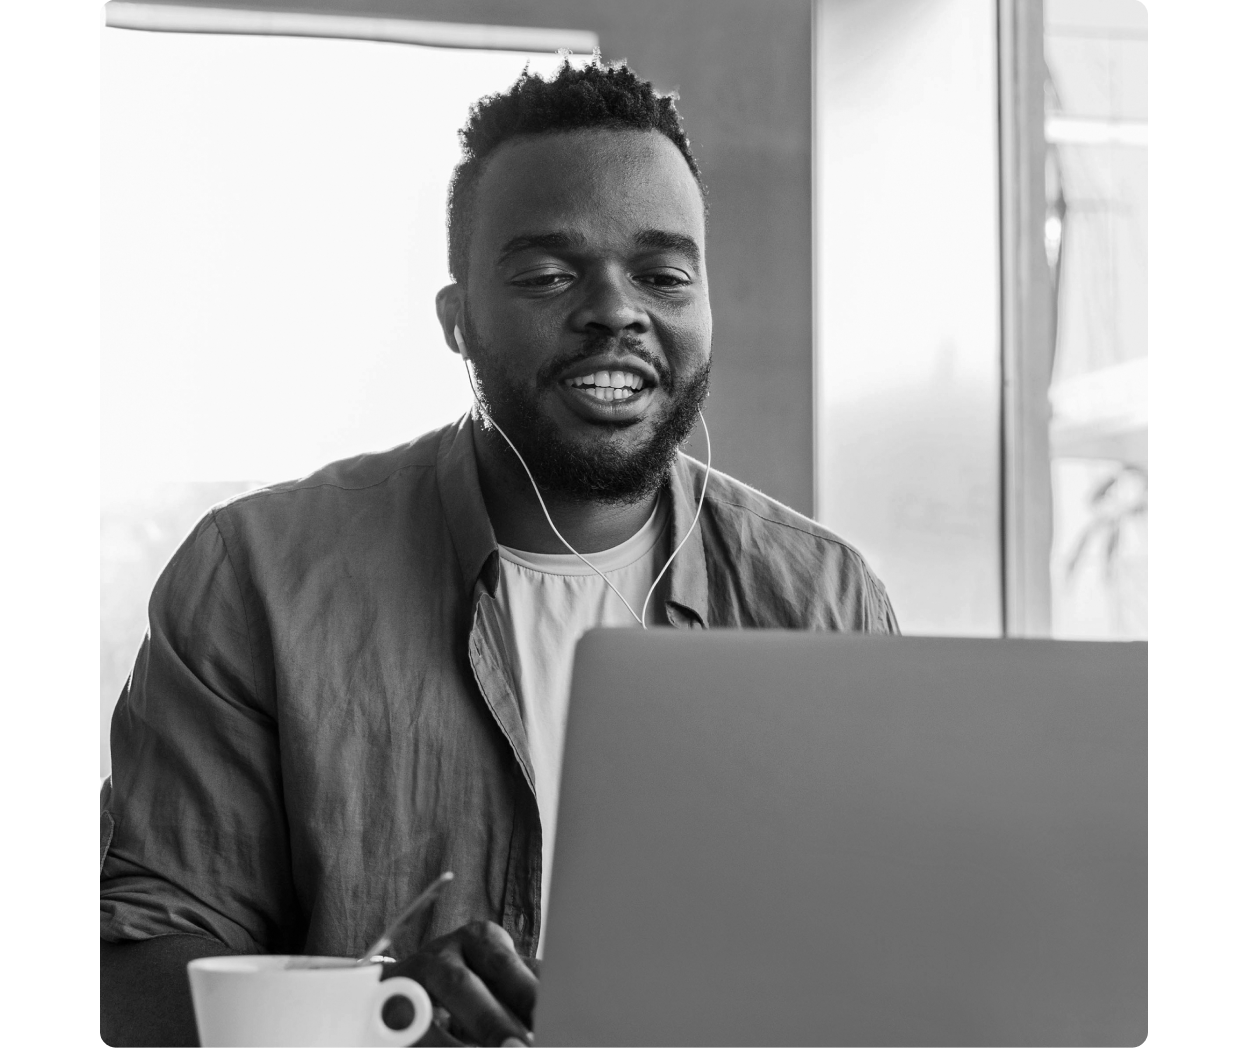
(586, 315)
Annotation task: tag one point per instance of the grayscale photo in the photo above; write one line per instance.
(624, 522)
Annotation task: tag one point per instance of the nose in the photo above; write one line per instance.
(610, 304)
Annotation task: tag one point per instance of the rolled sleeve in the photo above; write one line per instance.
(194, 837)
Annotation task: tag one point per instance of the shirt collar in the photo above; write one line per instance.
(687, 589)
(460, 488)
(477, 549)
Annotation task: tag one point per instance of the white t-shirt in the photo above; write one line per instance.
(548, 600)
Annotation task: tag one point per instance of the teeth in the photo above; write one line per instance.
(608, 385)
(607, 393)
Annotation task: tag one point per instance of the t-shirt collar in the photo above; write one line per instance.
(476, 548)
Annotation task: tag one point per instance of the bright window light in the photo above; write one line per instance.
(273, 214)
(1097, 129)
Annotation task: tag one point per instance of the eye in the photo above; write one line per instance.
(665, 279)
(541, 280)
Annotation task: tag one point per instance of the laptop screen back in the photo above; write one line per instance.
(796, 838)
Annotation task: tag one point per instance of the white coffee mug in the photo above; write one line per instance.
(289, 1000)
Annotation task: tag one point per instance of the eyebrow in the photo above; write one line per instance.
(556, 241)
(549, 241)
(666, 241)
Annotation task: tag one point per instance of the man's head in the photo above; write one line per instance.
(577, 245)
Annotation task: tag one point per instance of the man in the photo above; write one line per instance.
(355, 681)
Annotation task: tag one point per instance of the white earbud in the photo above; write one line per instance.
(459, 340)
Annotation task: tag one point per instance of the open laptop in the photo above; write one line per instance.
(772, 837)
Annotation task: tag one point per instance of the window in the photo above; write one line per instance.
(273, 237)
(981, 273)
(1096, 235)
(907, 344)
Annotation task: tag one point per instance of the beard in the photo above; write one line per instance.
(603, 471)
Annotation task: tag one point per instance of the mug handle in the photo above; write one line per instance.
(399, 986)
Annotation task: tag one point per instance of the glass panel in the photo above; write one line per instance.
(908, 375)
(1096, 236)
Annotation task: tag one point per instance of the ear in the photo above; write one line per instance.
(450, 305)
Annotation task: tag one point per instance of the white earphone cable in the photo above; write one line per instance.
(697, 513)
(641, 619)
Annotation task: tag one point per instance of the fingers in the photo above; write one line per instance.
(463, 993)
(490, 953)
(477, 976)
(438, 1038)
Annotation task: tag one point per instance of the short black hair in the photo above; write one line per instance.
(597, 95)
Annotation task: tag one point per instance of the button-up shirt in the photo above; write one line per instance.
(324, 716)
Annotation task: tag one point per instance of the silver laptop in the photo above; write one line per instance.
(771, 837)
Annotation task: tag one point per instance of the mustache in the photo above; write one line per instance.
(616, 345)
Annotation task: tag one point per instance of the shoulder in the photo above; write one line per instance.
(732, 498)
(786, 569)
(774, 525)
(342, 489)
(349, 507)
(405, 463)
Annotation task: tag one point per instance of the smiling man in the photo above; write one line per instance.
(357, 680)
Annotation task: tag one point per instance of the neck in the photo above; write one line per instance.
(517, 516)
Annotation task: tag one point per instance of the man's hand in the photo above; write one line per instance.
(476, 974)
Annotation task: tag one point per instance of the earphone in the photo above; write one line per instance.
(641, 619)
